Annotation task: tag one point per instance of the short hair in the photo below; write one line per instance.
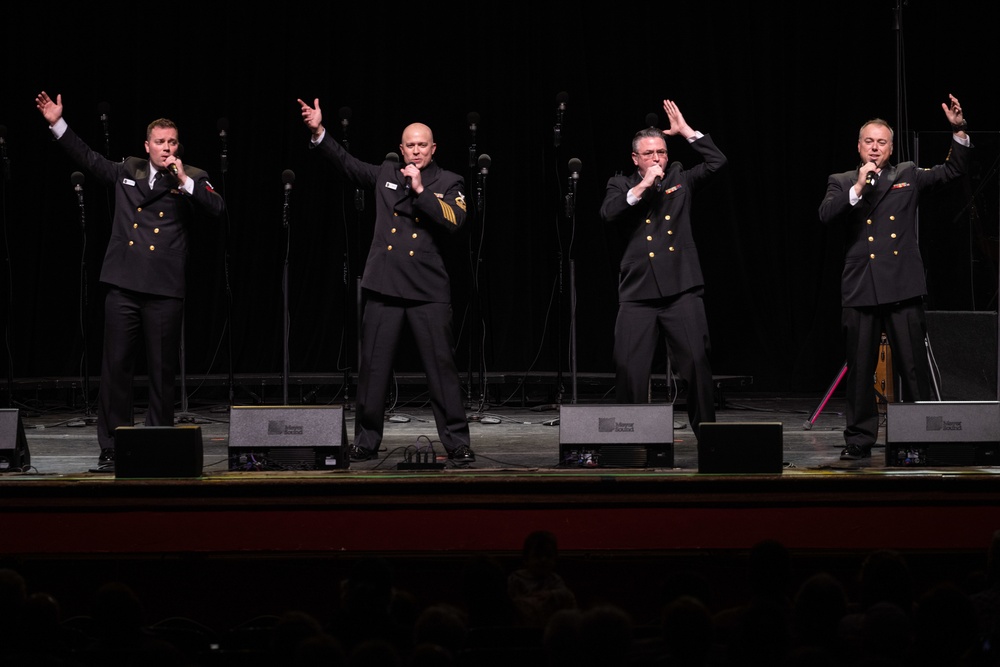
(877, 121)
(647, 133)
(165, 123)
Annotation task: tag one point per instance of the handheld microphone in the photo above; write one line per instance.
(77, 178)
(561, 100)
(658, 184)
(484, 164)
(407, 183)
(391, 157)
(871, 180)
(652, 120)
(179, 153)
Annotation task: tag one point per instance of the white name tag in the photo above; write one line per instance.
(391, 186)
(128, 181)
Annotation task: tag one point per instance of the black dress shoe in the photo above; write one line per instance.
(461, 455)
(855, 453)
(106, 461)
(359, 454)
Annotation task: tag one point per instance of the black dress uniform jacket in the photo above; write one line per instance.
(882, 262)
(660, 258)
(148, 248)
(405, 259)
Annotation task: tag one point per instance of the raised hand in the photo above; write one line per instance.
(52, 111)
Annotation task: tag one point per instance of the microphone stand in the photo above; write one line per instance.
(477, 208)
(571, 214)
(477, 335)
(284, 292)
(359, 207)
(559, 389)
(88, 416)
(227, 258)
(10, 303)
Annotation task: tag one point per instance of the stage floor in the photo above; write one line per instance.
(514, 441)
(520, 477)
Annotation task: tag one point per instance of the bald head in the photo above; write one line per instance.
(418, 128)
(418, 145)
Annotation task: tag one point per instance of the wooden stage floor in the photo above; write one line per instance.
(519, 478)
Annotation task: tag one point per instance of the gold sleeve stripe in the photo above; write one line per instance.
(448, 211)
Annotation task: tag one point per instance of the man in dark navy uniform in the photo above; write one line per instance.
(144, 267)
(883, 284)
(405, 281)
(660, 284)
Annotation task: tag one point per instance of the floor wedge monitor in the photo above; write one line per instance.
(942, 433)
(14, 455)
(616, 436)
(287, 437)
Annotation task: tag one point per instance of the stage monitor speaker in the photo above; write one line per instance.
(616, 436)
(158, 451)
(740, 447)
(287, 437)
(964, 346)
(14, 454)
(942, 433)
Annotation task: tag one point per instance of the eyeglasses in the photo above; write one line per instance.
(649, 154)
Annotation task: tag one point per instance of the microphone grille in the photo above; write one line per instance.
(288, 176)
(484, 161)
(652, 120)
(575, 165)
(76, 178)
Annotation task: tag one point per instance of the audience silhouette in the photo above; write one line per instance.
(816, 617)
